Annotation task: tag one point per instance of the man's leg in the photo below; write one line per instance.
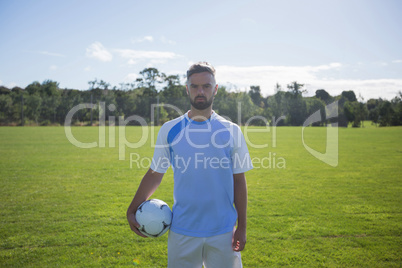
(184, 251)
(218, 252)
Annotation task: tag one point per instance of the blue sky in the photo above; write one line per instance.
(335, 45)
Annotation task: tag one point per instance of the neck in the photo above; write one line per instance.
(200, 115)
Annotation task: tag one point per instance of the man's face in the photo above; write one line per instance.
(201, 89)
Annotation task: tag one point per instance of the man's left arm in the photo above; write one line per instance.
(240, 201)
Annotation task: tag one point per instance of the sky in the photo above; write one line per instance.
(334, 45)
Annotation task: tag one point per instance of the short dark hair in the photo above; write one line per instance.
(200, 67)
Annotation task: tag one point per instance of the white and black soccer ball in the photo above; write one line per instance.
(154, 217)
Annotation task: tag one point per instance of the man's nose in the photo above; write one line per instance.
(200, 91)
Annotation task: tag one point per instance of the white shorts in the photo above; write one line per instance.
(193, 252)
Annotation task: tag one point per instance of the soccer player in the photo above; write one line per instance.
(209, 157)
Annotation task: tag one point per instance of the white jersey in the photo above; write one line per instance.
(204, 156)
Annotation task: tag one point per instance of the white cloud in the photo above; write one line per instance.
(134, 56)
(333, 65)
(267, 77)
(98, 51)
(131, 62)
(154, 62)
(53, 67)
(147, 38)
(264, 75)
(164, 40)
(144, 54)
(51, 54)
(150, 39)
(130, 77)
(397, 61)
(87, 69)
(369, 88)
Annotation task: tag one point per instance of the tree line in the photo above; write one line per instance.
(47, 104)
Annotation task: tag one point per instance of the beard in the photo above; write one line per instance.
(201, 105)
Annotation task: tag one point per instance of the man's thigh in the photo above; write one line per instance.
(218, 252)
(184, 251)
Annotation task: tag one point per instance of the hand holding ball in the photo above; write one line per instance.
(154, 217)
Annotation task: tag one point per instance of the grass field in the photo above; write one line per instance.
(65, 206)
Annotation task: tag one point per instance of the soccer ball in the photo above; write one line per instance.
(154, 217)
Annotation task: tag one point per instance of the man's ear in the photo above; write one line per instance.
(187, 89)
(216, 90)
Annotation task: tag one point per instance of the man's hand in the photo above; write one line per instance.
(239, 239)
(240, 201)
(147, 187)
(134, 225)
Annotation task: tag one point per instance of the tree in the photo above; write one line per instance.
(93, 83)
(355, 112)
(225, 103)
(255, 95)
(51, 97)
(68, 99)
(362, 112)
(247, 107)
(174, 94)
(172, 81)
(349, 111)
(385, 113)
(34, 103)
(4, 90)
(323, 95)
(396, 103)
(315, 104)
(46, 102)
(33, 88)
(17, 90)
(372, 107)
(296, 89)
(278, 88)
(5, 108)
(296, 105)
(104, 85)
(349, 95)
(152, 76)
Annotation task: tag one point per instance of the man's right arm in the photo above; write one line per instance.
(148, 185)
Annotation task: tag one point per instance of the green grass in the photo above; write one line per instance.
(65, 206)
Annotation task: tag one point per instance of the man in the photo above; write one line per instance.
(209, 156)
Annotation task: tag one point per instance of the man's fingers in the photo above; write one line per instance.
(138, 232)
(134, 225)
(135, 230)
(238, 246)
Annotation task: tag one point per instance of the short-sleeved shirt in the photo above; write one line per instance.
(204, 156)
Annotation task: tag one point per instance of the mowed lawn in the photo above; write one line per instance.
(64, 206)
